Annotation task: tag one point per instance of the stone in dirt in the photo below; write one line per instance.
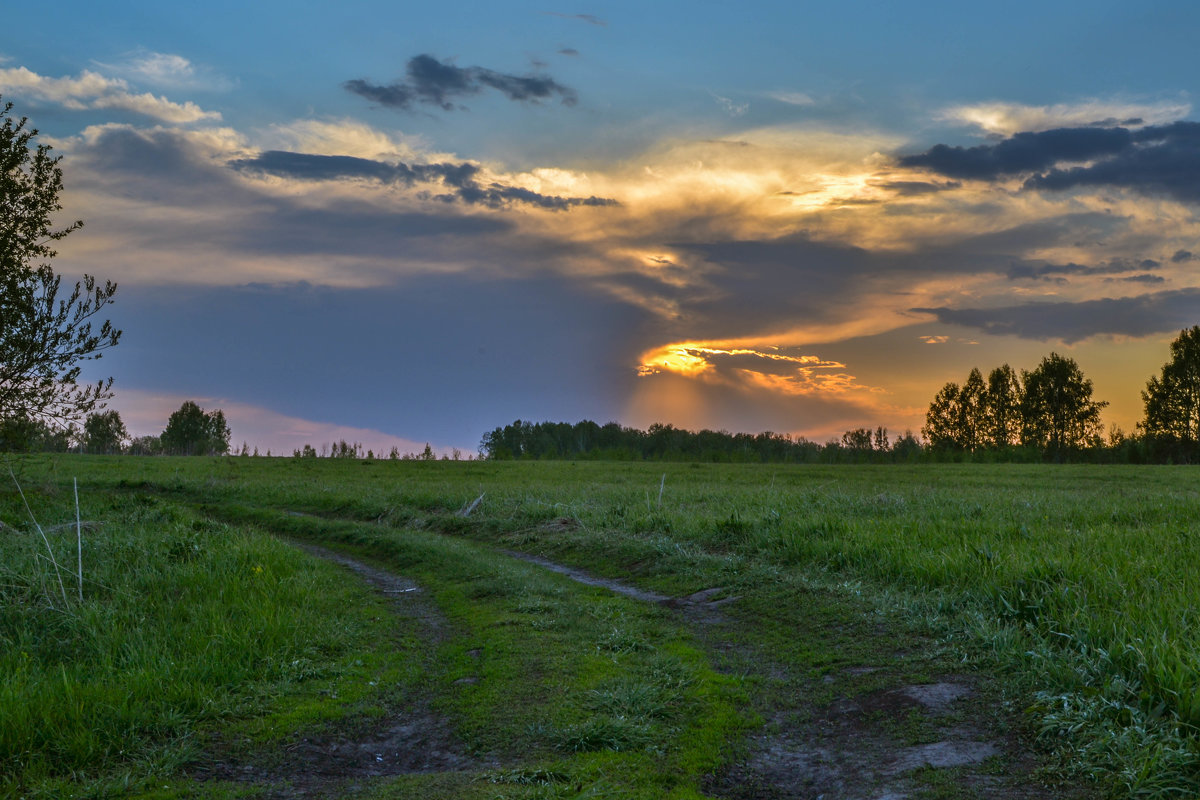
(936, 697)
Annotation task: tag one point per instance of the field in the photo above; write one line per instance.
(251, 627)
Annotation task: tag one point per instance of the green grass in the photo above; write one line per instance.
(184, 624)
(1077, 584)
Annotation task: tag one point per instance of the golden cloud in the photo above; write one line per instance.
(762, 367)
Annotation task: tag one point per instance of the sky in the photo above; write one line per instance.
(401, 223)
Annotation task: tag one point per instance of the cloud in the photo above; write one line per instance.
(440, 356)
(433, 82)
(170, 196)
(1162, 161)
(1143, 278)
(1070, 322)
(1007, 119)
(730, 107)
(778, 369)
(792, 98)
(1041, 270)
(167, 70)
(343, 137)
(1154, 160)
(915, 188)
(91, 90)
(1021, 153)
(461, 178)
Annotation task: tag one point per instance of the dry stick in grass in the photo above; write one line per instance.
(662, 485)
(57, 569)
(465, 511)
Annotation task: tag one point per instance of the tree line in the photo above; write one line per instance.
(344, 449)
(1044, 414)
(190, 431)
(588, 440)
(1049, 409)
(1049, 412)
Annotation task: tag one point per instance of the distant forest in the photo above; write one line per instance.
(588, 440)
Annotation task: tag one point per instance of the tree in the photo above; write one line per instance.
(145, 446)
(972, 405)
(1057, 410)
(24, 435)
(1002, 408)
(43, 338)
(1172, 400)
(943, 421)
(191, 431)
(104, 432)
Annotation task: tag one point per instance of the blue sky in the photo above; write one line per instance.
(397, 223)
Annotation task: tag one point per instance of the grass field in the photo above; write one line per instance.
(204, 641)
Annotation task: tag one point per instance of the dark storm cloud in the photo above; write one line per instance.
(1021, 153)
(433, 82)
(1155, 160)
(163, 163)
(1167, 165)
(1146, 278)
(360, 231)
(757, 285)
(1046, 271)
(446, 357)
(170, 170)
(461, 178)
(754, 287)
(1182, 257)
(1158, 312)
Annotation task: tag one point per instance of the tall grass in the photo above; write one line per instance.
(183, 622)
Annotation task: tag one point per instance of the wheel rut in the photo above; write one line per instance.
(339, 761)
(831, 740)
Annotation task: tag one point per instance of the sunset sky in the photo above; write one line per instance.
(399, 223)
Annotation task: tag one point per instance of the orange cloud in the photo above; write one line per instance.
(752, 367)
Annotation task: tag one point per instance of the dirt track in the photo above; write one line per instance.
(830, 740)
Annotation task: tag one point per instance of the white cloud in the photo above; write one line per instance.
(792, 98)
(159, 108)
(1005, 119)
(165, 70)
(343, 137)
(731, 108)
(91, 90)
